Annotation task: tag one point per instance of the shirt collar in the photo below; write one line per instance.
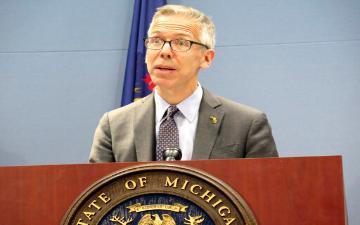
(189, 107)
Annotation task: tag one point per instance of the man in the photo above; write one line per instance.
(180, 113)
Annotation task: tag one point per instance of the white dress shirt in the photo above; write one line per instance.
(186, 119)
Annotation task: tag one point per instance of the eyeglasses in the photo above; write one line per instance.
(178, 45)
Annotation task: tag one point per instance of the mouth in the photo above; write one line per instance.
(164, 68)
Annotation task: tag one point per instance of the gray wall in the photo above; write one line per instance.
(62, 65)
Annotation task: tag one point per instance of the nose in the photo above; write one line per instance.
(166, 51)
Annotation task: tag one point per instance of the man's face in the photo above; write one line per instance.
(171, 70)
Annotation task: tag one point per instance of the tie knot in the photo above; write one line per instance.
(172, 110)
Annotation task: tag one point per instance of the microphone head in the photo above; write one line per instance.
(172, 154)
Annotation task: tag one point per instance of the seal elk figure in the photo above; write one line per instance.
(194, 220)
(121, 220)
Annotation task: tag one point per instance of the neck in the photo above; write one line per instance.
(175, 96)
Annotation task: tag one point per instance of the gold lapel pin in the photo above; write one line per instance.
(213, 119)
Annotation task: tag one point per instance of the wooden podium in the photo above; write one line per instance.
(279, 191)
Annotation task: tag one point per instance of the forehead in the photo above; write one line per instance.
(175, 25)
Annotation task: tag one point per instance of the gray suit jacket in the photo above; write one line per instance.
(128, 133)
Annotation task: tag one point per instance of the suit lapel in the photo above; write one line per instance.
(144, 129)
(209, 123)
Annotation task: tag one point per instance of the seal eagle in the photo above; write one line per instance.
(155, 219)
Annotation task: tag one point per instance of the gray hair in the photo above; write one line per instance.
(207, 27)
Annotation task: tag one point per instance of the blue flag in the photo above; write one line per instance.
(137, 79)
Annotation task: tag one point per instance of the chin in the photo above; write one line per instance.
(162, 83)
(165, 86)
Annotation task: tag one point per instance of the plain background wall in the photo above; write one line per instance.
(62, 65)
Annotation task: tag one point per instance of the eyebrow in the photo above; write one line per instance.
(178, 36)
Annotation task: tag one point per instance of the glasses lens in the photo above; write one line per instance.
(180, 45)
(154, 43)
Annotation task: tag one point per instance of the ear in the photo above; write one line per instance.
(209, 56)
(146, 57)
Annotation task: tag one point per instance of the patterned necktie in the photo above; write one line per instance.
(168, 136)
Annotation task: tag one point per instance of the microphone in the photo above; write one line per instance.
(172, 154)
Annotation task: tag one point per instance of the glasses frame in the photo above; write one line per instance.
(146, 39)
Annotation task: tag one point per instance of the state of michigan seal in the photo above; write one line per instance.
(159, 194)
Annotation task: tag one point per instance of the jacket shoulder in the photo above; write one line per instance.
(233, 106)
(228, 106)
(127, 110)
